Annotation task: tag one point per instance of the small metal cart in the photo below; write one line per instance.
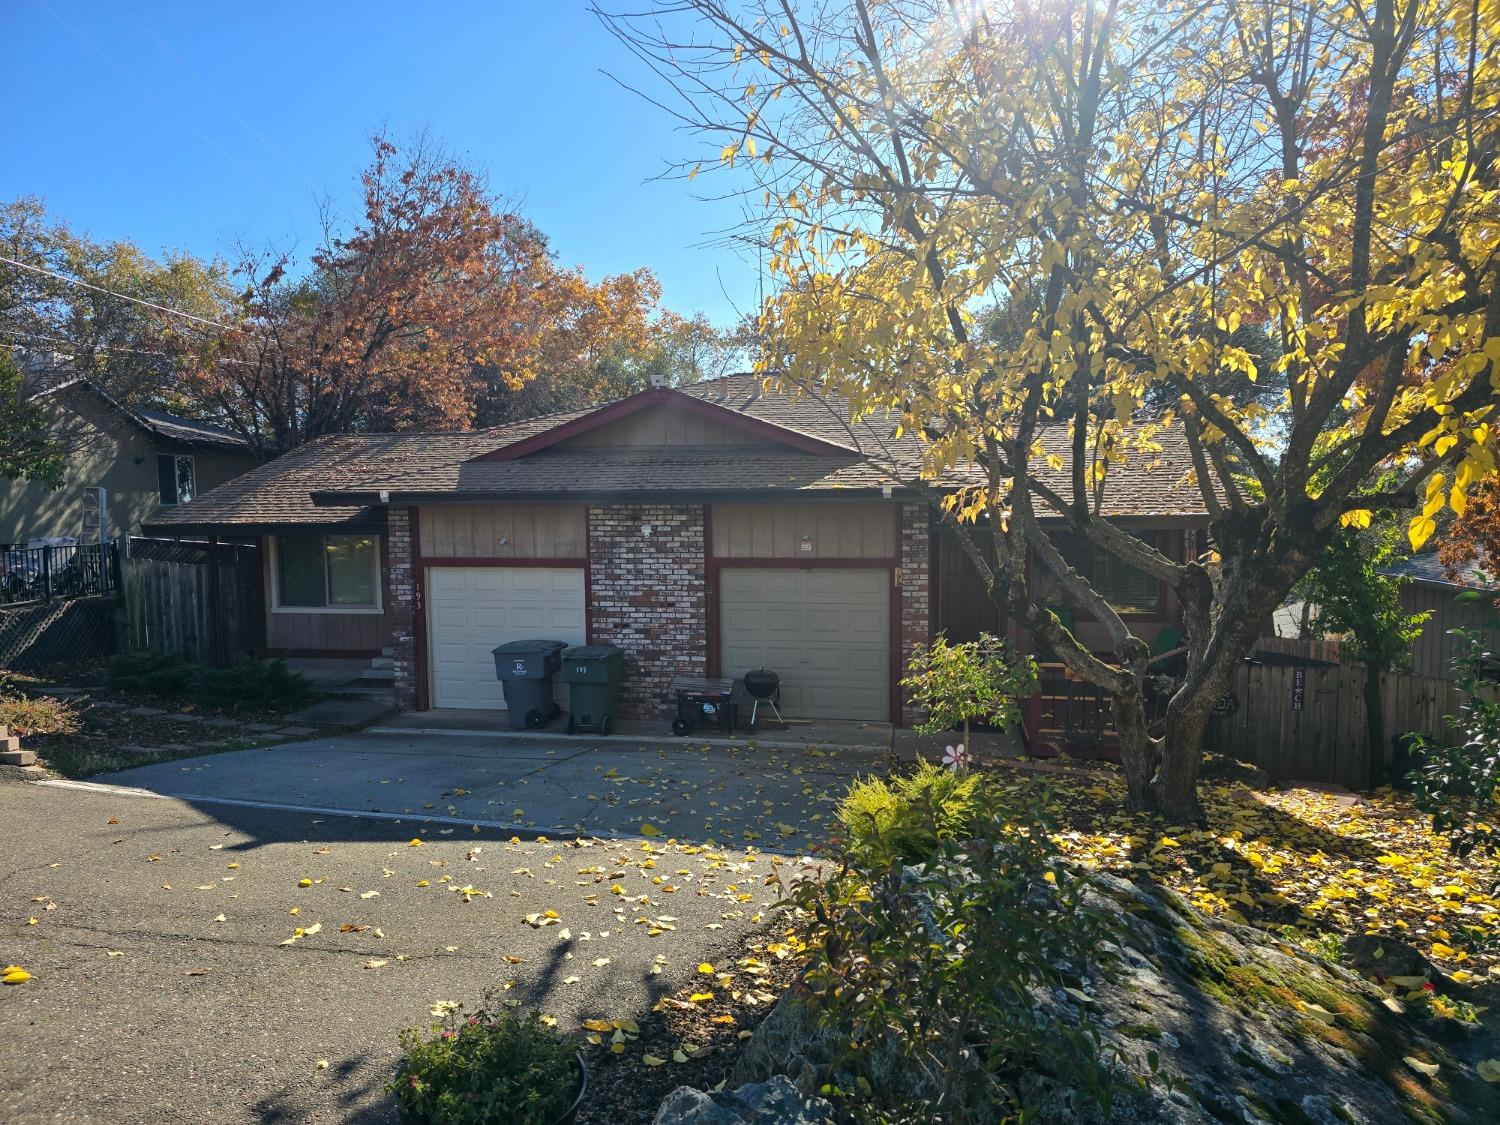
(703, 702)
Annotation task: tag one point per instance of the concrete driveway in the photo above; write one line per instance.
(169, 980)
(730, 795)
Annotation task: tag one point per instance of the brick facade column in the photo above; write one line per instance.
(403, 607)
(916, 591)
(648, 593)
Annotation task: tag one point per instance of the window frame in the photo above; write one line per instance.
(176, 459)
(1157, 537)
(273, 559)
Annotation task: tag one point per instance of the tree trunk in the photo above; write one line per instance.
(1174, 789)
(1139, 752)
(1374, 726)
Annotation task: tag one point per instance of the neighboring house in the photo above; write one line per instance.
(707, 530)
(1427, 588)
(147, 461)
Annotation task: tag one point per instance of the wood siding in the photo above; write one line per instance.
(663, 426)
(1433, 650)
(964, 609)
(776, 531)
(290, 631)
(104, 449)
(504, 531)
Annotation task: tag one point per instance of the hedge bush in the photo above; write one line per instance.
(250, 685)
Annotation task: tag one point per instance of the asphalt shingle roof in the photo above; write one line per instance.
(1426, 569)
(346, 472)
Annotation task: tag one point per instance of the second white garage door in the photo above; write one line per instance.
(825, 632)
(473, 609)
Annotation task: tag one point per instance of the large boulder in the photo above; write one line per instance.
(775, 1101)
(1240, 1027)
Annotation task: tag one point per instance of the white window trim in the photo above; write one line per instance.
(273, 542)
(175, 458)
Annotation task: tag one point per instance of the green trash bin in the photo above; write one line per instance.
(593, 674)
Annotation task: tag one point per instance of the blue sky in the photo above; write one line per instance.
(201, 126)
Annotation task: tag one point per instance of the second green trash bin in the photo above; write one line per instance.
(593, 674)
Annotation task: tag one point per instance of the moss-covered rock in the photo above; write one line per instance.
(1221, 1023)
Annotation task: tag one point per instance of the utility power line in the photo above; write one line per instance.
(118, 296)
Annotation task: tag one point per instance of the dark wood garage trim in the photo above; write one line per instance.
(419, 625)
(713, 565)
(507, 560)
(419, 609)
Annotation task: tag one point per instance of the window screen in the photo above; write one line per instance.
(303, 578)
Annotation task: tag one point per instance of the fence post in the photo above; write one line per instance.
(47, 573)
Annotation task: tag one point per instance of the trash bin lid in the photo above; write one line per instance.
(592, 652)
(532, 647)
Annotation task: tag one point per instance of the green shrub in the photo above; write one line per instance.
(252, 685)
(257, 685)
(490, 1066)
(954, 990)
(907, 817)
(974, 681)
(151, 673)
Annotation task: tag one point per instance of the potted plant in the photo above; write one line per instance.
(490, 1065)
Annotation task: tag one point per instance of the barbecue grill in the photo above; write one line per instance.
(764, 687)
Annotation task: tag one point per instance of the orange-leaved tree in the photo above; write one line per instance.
(396, 317)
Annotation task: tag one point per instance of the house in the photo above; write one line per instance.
(1428, 588)
(146, 460)
(709, 529)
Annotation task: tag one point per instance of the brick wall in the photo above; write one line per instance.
(916, 590)
(403, 609)
(649, 595)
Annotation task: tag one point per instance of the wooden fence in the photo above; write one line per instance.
(1308, 723)
(1297, 722)
(202, 601)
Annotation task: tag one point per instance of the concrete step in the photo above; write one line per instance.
(382, 662)
(378, 674)
(363, 691)
(17, 757)
(388, 651)
(4, 732)
(9, 743)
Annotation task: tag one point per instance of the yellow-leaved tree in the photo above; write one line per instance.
(1272, 223)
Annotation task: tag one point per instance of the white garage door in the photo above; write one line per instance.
(473, 609)
(825, 632)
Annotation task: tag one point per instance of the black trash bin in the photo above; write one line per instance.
(526, 668)
(593, 674)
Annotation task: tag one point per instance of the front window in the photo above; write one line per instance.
(176, 477)
(328, 572)
(1127, 588)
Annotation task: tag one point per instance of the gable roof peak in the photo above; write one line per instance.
(680, 398)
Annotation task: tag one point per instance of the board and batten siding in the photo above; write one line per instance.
(504, 531)
(661, 426)
(1432, 652)
(357, 634)
(777, 531)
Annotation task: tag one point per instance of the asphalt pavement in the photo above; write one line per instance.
(197, 955)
